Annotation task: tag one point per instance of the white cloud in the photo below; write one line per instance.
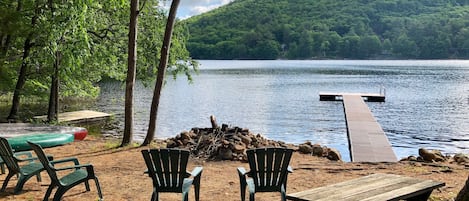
(188, 8)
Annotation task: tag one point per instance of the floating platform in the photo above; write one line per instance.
(81, 116)
(370, 97)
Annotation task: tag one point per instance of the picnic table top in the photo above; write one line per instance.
(371, 188)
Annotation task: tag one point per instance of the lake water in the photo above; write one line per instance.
(427, 102)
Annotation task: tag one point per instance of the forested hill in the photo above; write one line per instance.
(350, 29)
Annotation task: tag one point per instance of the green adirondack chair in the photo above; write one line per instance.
(27, 154)
(13, 160)
(269, 168)
(81, 174)
(167, 169)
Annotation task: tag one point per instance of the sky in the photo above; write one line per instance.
(188, 8)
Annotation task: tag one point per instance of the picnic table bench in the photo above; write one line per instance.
(375, 187)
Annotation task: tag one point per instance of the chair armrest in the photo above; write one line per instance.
(241, 171)
(30, 157)
(23, 153)
(290, 169)
(27, 156)
(64, 160)
(197, 171)
(73, 167)
(242, 175)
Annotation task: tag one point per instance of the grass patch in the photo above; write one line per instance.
(112, 144)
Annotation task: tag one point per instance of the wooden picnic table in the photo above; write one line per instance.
(375, 187)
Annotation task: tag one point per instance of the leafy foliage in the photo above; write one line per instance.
(355, 29)
(86, 38)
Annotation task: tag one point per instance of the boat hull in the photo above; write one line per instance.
(20, 143)
(8, 130)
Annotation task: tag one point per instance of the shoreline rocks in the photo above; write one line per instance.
(435, 156)
(231, 143)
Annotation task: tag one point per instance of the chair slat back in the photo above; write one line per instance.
(167, 168)
(269, 167)
(6, 152)
(45, 161)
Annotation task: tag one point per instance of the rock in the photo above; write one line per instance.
(225, 153)
(461, 158)
(245, 139)
(237, 148)
(185, 135)
(171, 144)
(411, 158)
(431, 155)
(187, 142)
(318, 150)
(333, 154)
(305, 148)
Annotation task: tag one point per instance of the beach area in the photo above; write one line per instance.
(121, 174)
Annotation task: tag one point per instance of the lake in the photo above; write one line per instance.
(427, 102)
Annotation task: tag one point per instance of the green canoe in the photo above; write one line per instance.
(44, 139)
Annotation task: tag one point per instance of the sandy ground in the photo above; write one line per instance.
(120, 172)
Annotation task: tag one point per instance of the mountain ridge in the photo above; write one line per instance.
(321, 29)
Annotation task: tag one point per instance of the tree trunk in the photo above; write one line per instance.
(131, 71)
(463, 195)
(161, 72)
(13, 116)
(5, 44)
(52, 113)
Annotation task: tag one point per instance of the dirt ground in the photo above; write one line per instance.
(120, 173)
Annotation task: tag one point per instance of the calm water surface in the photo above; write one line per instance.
(427, 102)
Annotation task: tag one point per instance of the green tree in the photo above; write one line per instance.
(462, 42)
(349, 46)
(405, 47)
(28, 44)
(77, 44)
(387, 46)
(161, 72)
(131, 71)
(305, 45)
(369, 46)
(266, 49)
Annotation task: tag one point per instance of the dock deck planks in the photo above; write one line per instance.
(367, 140)
(78, 116)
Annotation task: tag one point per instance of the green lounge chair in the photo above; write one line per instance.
(13, 160)
(81, 174)
(167, 169)
(17, 154)
(269, 168)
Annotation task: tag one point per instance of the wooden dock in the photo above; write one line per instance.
(370, 97)
(81, 116)
(367, 140)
